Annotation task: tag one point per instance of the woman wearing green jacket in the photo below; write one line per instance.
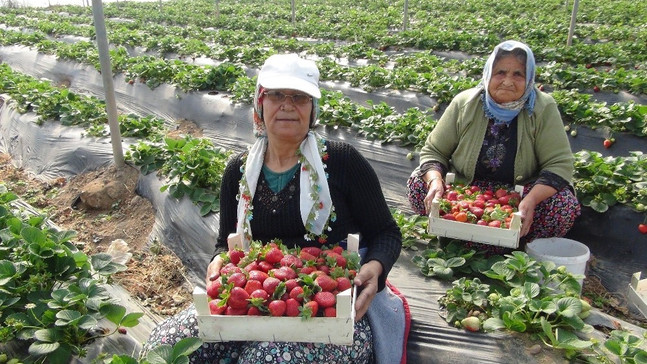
(504, 132)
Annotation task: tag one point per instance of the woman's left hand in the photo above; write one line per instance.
(366, 279)
(527, 212)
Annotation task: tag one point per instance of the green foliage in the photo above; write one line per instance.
(52, 295)
(193, 167)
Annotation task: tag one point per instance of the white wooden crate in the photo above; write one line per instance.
(638, 293)
(329, 330)
(508, 238)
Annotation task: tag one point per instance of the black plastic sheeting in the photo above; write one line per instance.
(52, 150)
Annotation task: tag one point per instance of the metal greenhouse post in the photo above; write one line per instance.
(293, 14)
(571, 30)
(108, 87)
(217, 10)
(405, 20)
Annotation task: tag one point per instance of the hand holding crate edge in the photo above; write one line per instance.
(242, 327)
(464, 230)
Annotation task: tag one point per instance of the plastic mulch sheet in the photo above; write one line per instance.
(53, 150)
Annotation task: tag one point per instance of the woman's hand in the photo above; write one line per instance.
(537, 194)
(436, 188)
(366, 279)
(213, 269)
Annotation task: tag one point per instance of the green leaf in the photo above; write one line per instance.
(493, 324)
(33, 235)
(131, 319)
(113, 312)
(186, 346)
(40, 348)
(162, 354)
(48, 335)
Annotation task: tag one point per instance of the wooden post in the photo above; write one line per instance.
(108, 86)
(405, 20)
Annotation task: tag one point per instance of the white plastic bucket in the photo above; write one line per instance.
(569, 253)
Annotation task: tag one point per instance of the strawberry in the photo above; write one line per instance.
(238, 298)
(283, 273)
(261, 295)
(642, 228)
(471, 323)
(330, 312)
(290, 284)
(254, 311)
(500, 192)
(258, 275)
(297, 293)
(338, 249)
(277, 308)
(307, 270)
(270, 284)
(335, 259)
(235, 255)
(229, 268)
(213, 288)
(596, 89)
(325, 299)
(309, 309)
(312, 250)
(304, 255)
(122, 330)
(265, 266)
(607, 143)
(216, 307)
(292, 261)
(326, 283)
(589, 65)
(238, 279)
(343, 283)
(251, 267)
(292, 307)
(252, 285)
(230, 311)
(323, 269)
(273, 255)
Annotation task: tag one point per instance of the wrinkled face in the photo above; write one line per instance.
(508, 81)
(286, 114)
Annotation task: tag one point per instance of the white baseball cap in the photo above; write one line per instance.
(289, 71)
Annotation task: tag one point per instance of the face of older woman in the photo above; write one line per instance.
(287, 114)
(508, 81)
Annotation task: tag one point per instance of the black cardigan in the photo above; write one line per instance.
(356, 195)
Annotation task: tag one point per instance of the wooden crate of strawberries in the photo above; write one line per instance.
(468, 213)
(271, 293)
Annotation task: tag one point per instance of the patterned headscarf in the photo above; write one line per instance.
(505, 113)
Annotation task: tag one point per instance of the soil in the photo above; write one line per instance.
(104, 209)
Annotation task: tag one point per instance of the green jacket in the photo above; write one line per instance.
(542, 143)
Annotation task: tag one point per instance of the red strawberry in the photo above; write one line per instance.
(500, 192)
(307, 270)
(596, 89)
(260, 294)
(304, 255)
(292, 261)
(642, 228)
(230, 311)
(290, 284)
(283, 273)
(237, 279)
(297, 293)
(265, 266)
(588, 65)
(273, 256)
(343, 283)
(269, 285)
(330, 312)
(292, 307)
(215, 308)
(213, 288)
(277, 308)
(238, 298)
(326, 283)
(494, 223)
(607, 143)
(323, 269)
(252, 266)
(254, 311)
(229, 268)
(325, 299)
(122, 330)
(338, 249)
(258, 275)
(310, 309)
(312, 250)
(252, 285)
(334, 258)
(235, 255)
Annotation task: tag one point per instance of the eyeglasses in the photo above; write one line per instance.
(278, 96)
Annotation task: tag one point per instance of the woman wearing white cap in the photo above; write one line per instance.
(296, 186)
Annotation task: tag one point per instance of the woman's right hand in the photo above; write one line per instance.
(213, 269)
(436, 190)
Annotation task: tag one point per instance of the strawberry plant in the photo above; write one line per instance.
(53, 295)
